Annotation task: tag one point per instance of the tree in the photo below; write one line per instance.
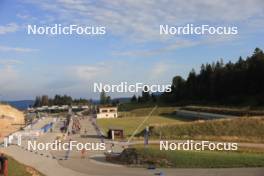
(145, 94)
(37, 102)
(104, 99)
(59, 100)
(115, 102)
(134, 99)
(241, 82)
(177, 82)
(44, 100)
(153, 97)
(108, 100)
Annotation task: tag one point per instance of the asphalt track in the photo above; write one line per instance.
(54, 163)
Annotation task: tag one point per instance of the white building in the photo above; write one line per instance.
(107, 112)
(85, 107)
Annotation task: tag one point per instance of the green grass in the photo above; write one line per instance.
(144, 111)
(167, 125)
(199, 159)
(16, 169)
(129, 124)
(247, 129)
(130, 120)
(131, 106)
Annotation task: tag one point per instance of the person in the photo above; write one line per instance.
(2, 163)
(83, 153)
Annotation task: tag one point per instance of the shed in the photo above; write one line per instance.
(115, 132)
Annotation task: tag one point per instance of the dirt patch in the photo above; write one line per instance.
(32, 171)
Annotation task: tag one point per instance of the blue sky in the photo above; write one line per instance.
(132, 50)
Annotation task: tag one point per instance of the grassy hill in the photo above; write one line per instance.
(165, 124)
(189, 159)
(247, 129)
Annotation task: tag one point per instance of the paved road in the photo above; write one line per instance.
(94, 164)
(41, 160)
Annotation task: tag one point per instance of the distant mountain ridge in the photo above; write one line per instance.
(122, 99)
(24, 104)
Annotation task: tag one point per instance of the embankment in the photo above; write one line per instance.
(11, 120)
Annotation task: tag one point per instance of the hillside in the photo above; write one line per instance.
(9, 119)
(245, 129)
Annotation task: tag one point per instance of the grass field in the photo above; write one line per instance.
(197, 159)
(166, 125)
(131, 123)
(144, 111)
(130, 120)
(246, 129)
(131, 106)
(17, 169)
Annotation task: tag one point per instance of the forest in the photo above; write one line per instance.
(238, 83)
(44, 100)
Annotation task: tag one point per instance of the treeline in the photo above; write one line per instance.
(59, 100)
(239, 83)
(146, 97)
(107, 101)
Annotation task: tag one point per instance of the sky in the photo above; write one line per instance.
(132, 49)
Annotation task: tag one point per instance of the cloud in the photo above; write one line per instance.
(14, 84)
(159, 69)
(89, 72)
(77, 80)
(8, 76)
(178, 44)
(141, 19)
(22, 16)
(9, 28)
(9, 62)
(16, 49)
(150, 52)
(8, 73)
